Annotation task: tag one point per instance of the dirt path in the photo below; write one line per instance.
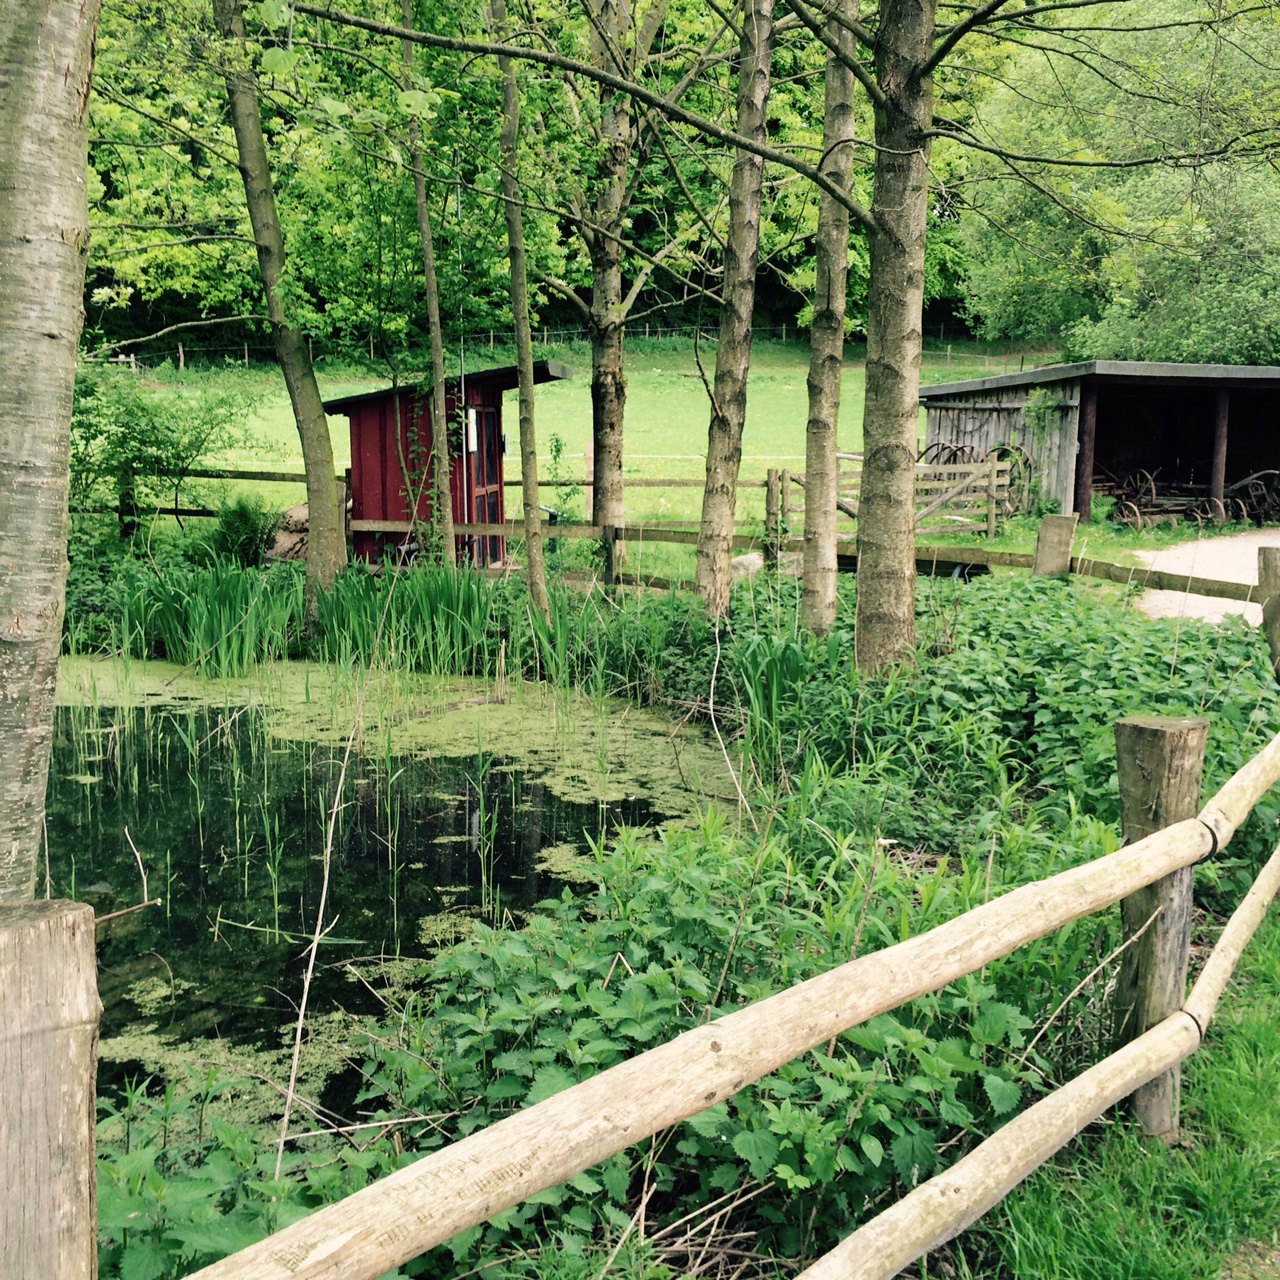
(1254, 1262)
(1232, 559)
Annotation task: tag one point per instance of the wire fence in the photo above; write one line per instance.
(939, 341)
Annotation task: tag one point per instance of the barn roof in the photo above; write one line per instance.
(1148, 372)
(503, 379)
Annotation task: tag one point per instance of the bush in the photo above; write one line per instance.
(245, 531)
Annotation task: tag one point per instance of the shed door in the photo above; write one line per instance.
(486, 464)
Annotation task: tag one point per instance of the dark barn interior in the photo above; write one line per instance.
(1165, 435)
(1181, 441)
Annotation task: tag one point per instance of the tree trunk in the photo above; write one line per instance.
(507, 144)
(46, 59)
(886, 624)
(826, 356)
(733, 351)
(608, 384)
(326, 538)
(442, 494)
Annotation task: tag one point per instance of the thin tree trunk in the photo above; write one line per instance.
(442, 494)
(46, 59)
(608, 383)
(886, 629)
(608, 388)
(326, 537)
(507, 143)
(826, 358)
(733, 351)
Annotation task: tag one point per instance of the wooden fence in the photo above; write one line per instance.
(464, 1184)
(960, 496)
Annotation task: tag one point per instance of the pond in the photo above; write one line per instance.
(458, 803)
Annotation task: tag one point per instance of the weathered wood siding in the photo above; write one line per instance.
(994, 416)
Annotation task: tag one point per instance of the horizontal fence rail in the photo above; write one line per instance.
(939, 1209)
(427, 1203)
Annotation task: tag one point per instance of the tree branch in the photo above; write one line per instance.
(863, 76)
(629, 87)
(979, 18)
(111, 96)
(173, 328)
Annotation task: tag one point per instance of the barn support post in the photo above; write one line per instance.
(1084, 458)
(1218, 475)
(1053, 546)
(48, 1056)
(1159, 761)
(1269, 590)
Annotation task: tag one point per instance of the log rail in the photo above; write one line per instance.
(427, 1203)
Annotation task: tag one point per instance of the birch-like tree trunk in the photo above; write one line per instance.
(826, 353)
(886, 624)
(733, 351)
(609, 30)
(507, 150)
(326, 537)
(442, 494)
(46, 60)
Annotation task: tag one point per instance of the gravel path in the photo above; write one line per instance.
(1231, 559)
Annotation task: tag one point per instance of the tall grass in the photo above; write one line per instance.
(439, 620)
(220, 619)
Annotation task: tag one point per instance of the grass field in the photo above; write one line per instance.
(666, 424)
(667, 406)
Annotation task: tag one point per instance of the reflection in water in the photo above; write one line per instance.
(229, 823)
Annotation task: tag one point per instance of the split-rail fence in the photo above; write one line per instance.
(48, 1005)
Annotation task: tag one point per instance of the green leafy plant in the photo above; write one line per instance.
(245, 531)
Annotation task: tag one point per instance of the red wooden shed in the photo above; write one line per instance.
(379, 501)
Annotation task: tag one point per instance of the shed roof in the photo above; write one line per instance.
(1119, 371)
(502, 379)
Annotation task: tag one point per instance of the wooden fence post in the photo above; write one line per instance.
(991, 498)
(610, 540)
(1159, 761)
(1053, 546)
(1269, 590)
(48, 1055)
(772, 519)
(784, 505)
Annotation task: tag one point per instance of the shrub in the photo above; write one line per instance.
(245, 531)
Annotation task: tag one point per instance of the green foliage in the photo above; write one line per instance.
(1005, 725)
(177, 1190)
(219, 618)
(694, 925)
(1133, 260)
(245, 531)
(124, 423)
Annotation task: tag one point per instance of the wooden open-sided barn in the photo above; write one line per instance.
(380, 492)
(1171, 439)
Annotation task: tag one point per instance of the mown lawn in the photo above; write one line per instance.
(667, 412)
